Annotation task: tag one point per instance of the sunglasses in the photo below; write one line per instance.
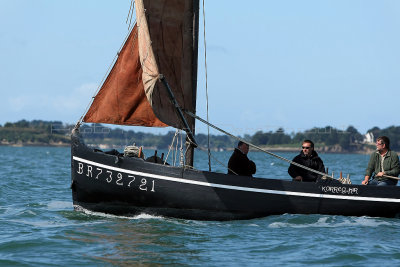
(305, 147)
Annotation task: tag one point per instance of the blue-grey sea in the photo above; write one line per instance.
(38, 226)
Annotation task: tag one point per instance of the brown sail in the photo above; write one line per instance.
(121, 99)
(164, 42)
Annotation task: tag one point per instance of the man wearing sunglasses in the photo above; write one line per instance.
(309, 158)
(384, 163)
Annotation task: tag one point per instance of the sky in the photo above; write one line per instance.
(270, 64)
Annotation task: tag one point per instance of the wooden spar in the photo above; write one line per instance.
(178, 111)
(140, 152)
(348, 179)
(190, 148)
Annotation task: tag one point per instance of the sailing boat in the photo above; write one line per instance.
(153, 83)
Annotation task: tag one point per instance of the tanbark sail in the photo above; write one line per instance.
(163, 42)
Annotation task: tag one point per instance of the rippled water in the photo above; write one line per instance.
(40, 228)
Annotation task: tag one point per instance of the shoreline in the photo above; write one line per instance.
(37, 145)
(319, 150)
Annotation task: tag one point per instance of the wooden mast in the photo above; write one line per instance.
(190, 148)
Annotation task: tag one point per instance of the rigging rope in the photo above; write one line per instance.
(172, 145)
(205, 66)
(222, 164)
(176, 150)
(130, 15)
(104, 77)
(257, 147)
(187, 144)
(181, 159)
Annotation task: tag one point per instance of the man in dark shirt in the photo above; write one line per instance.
(309, 158)
(239, 163)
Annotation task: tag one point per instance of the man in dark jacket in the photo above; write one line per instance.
(239, 163)
(309, 158)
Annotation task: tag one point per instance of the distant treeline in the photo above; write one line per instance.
(55, 132)
(36, 132)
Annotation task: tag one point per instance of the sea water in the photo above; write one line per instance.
(39, 227)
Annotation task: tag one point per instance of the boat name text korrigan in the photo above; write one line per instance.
(340, 190)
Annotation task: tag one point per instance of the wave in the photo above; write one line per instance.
(107, 215)
(307, 221)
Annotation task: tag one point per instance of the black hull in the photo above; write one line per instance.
(129, 186)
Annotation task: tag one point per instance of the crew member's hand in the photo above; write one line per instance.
(298, 178)
(379, 174)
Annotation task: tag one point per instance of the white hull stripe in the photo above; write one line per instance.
(240, 188)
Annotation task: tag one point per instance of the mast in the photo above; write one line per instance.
(163, 43)
(191, 121)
